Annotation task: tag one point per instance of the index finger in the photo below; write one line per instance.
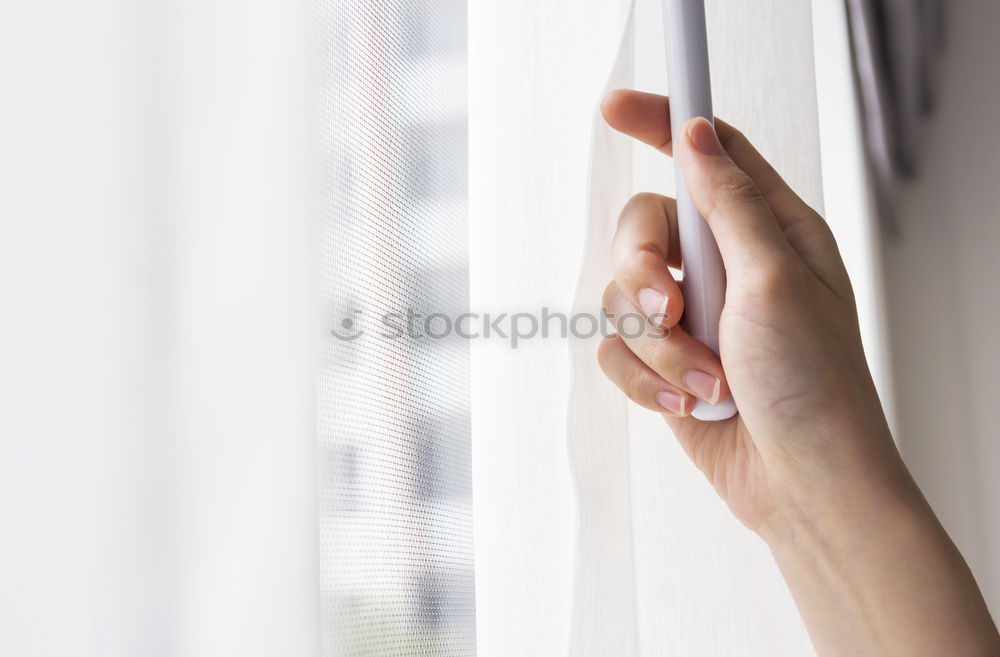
(646, 117)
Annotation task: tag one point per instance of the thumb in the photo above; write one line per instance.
(741, 221)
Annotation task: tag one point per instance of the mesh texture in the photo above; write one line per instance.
(393, 409)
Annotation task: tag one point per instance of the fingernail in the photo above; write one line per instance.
(671, 401)
(654, 304)
(702, 134)
(703, 385)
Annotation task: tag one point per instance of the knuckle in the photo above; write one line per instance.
(646, 258)
(641, 202)
(606, 351)
(736, 186)
(631, 266)
(664, 354)
(609, 296)
(633, 384)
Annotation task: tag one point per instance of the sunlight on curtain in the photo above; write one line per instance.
(586, 509)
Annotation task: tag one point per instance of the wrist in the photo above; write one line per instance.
(873, 572)
(837, 525)
(845, 500)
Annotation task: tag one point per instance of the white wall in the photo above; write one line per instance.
(943, 291)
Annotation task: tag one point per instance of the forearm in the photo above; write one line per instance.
(808, 462)
(873, 573)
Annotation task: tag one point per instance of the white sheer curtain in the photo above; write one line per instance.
(158, 275)
(157, 457)
(594, 535)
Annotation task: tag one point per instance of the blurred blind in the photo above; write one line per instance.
(393, 410)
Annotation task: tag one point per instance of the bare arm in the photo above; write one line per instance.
(808, 463)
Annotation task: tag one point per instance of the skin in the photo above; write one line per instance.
(809, 462)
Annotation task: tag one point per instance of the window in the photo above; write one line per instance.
(393, 410)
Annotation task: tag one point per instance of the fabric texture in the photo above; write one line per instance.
(157, 451)
(587, 511)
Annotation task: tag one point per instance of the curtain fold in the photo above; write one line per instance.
(537, 71)
(605, 619)
(896, 46)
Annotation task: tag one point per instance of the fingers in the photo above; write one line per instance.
(647, 118)
(637, 114)
(749, 237)
(639, 383)
(674, 355)
(645, 244)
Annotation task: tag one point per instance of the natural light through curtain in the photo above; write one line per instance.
(181, 473)
(587, 511)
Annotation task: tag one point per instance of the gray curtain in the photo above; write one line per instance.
(896, 47)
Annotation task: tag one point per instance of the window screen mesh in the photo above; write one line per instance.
(393, 410)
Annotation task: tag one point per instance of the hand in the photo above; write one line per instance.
(808, 462)
(791, 348)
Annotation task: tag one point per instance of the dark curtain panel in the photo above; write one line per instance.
(896, 46)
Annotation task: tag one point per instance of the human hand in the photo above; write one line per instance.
(808, 463)
(791, 354)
